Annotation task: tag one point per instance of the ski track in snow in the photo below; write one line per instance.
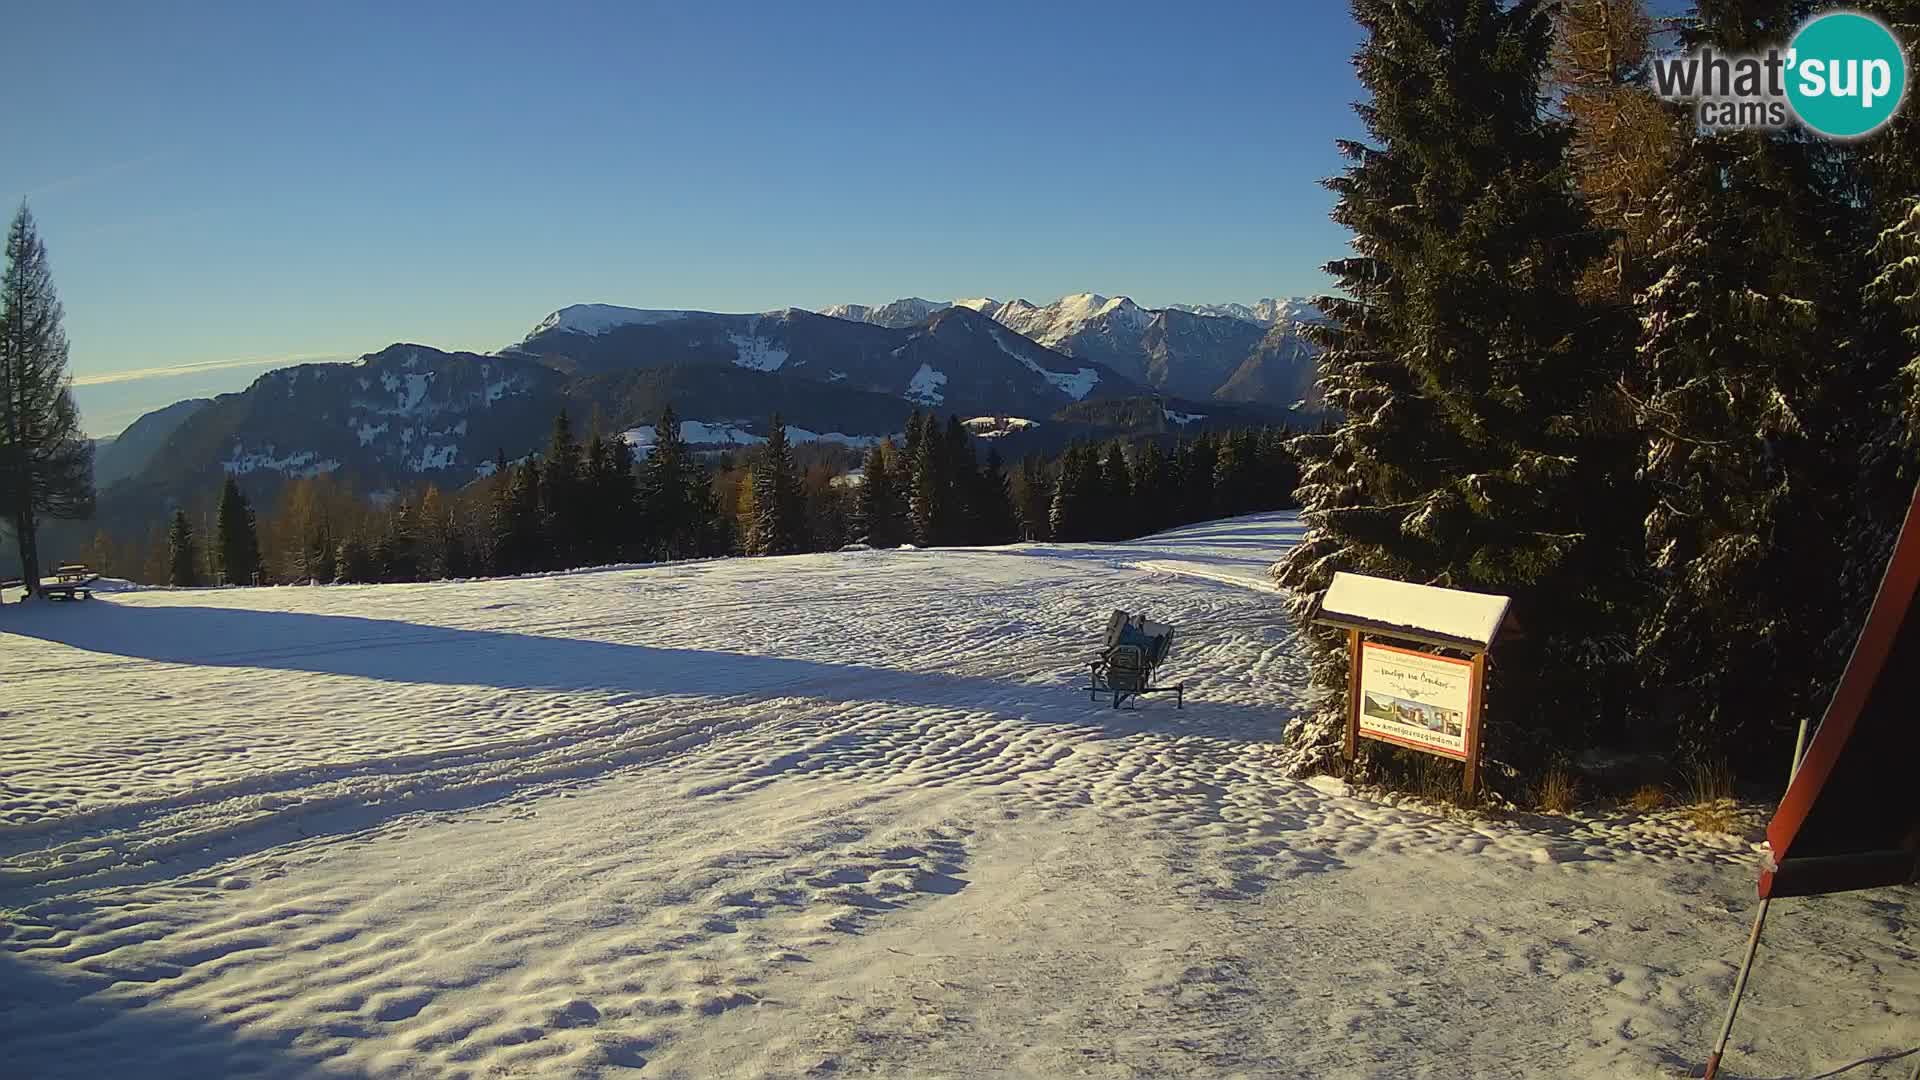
(833, 814)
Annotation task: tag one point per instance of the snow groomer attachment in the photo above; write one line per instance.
(1134, 650)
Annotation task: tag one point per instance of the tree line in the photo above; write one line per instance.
(1659, 384)
(598, 502)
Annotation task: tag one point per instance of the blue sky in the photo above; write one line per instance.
(244, 186)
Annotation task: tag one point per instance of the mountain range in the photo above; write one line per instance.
(409, 414)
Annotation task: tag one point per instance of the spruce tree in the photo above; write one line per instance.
(354, 563)
(1197, 470)
(929, 506)
(779, 510)
(397, 553)
(669, 491)
(996, 521)
(877, 510)
(1070, 512)
(1464, 366)
(962, 482)
(1753, 430)
(237, 537)
(562, 503)
(183, 558)
(46, 460)
(1115, 516)
(1033, 498)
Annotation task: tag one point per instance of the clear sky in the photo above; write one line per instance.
(241, 187)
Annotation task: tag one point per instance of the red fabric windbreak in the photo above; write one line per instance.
(1849, 819)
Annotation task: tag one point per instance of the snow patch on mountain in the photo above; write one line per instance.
(597, 319)
(994, 427)
(299, 463)
(706, 434)
(1182, 418)
(925, 386)
(756, 353)
(1076, 385)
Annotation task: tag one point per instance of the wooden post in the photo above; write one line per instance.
(1472, 770)
(1353, 693)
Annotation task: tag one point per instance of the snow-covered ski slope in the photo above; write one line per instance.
(824, 815)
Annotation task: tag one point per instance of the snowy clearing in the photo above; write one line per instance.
(832, 814)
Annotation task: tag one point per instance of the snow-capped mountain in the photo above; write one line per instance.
(901, 313)
(1192, 350)
(955, 359)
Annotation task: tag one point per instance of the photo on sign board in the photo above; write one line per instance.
(1416, 699)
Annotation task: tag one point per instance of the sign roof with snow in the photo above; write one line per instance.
(1428, 613)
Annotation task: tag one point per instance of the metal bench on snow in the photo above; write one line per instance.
(1134, 648)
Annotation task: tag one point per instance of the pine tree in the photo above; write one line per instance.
(992, 504)
(929, 506)
(183, 558)
(1151, 493)
(237, 538)
(669, 490)
(1196, 472)
(962, 480)
(877, 516)
(1115, 518)
(397, 552)
(1075, 494)
(1033, 498)
(778, 508)
(46, 460)
(561, 490)
(354, 563)
(1752, 428)
(1463, 363)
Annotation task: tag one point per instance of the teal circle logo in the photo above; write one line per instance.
(1847, 74)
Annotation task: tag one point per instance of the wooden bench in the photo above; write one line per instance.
(71, 581)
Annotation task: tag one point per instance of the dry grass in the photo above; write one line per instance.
(1557, 792)
(1647, 798)
(1710, 800)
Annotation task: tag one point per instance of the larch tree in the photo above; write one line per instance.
(46, 460)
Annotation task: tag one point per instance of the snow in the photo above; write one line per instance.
(1182, 418)
(840, 814)
(925, 386)
(994, 427)
(700, 433)
(1448, 613)
(297, 463)
(597, 319)
(369, 432)
(1076, 384)
(757, 353)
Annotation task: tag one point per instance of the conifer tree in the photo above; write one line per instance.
(46, 460)
(1033, 498)
(992, 505)
(1114, 517)
(670, 491)
(397, 551)
(877, 516)
(1752, 428)
(962, 482)
(1462, 362)
(183, 558)
(354, 563)
(1198, 464)
(930, 499)
(778, 523)
(1151, 493)
(237, 538)
(1072, 509)
(561, 491)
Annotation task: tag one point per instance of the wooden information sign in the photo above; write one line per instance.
(1420, 699)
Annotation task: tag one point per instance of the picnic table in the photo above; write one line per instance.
(71, 581)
